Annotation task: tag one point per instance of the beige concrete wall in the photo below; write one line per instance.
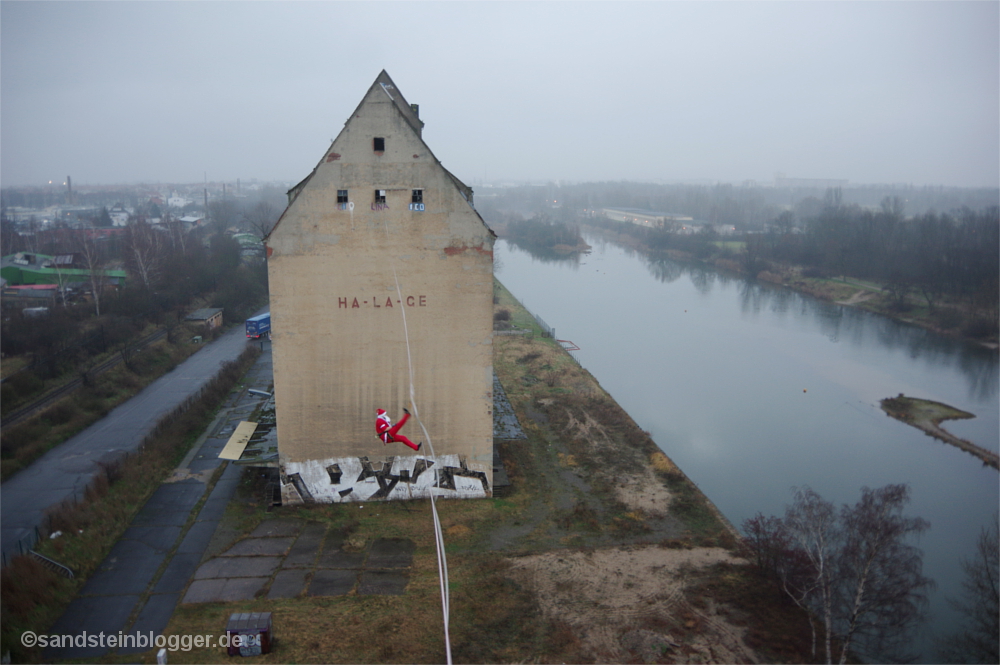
(341, 281)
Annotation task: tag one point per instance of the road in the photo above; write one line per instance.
(65, 471)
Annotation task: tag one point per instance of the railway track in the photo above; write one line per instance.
(56, 394)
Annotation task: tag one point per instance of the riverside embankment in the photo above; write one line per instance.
(753, 389)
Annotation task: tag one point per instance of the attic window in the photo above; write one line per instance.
(379, 144)
(341, 196)
(379, 197)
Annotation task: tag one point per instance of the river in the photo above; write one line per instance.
(753, 389)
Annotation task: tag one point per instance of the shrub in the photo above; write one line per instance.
(18, 388)
(61, 413)
(528, 357)
(14, 438)
(948, 318)
(980, 328)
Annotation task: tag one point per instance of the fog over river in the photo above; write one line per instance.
(752, 389)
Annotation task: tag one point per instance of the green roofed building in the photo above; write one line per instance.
(32, 268)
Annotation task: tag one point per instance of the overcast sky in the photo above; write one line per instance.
(124, 92)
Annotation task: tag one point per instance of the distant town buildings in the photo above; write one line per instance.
(679, 224)
(648, 218)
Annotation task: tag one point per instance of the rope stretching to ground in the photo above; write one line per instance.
(442, 558)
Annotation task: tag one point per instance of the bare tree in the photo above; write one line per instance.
(853, 569)
(93, 259)
(811, 522)
(881, 592)
(222, 213)
(785, 222)
(262, 218)
(979, 642)
(143, 252)
(771, 548)
(127, 353)
(752, 255)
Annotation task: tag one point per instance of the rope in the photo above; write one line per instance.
(442, 558)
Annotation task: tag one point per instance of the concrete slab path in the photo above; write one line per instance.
(287, 557)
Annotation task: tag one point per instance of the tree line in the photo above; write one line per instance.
(933, 255)
(748, 208)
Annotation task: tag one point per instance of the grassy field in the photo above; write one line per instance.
(731, 245)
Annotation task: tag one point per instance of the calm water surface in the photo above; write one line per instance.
(753, 389)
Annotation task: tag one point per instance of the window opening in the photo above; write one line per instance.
(379, 144)
(379, 197)
(341, 196)
(417, 200)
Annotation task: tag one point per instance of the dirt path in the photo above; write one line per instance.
(859, 297)
(624, 603)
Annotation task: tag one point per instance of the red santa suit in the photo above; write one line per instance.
(389, 433)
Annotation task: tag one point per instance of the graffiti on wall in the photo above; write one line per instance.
(390, 478)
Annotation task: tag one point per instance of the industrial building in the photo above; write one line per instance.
(381, 278)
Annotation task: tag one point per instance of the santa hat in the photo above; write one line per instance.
(380, 412)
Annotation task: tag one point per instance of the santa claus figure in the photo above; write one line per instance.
(389, 433)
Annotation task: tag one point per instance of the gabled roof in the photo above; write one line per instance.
(389, 88)
(383, 84)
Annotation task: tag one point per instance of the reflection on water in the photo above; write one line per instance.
(753, 388)
(546, 254)
(978, 363)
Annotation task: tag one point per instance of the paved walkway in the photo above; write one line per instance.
(285, 558)
(147, 570)
(65, 471)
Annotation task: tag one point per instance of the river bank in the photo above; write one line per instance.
(953, 320)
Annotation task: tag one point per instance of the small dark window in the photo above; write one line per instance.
(379, 144)
(418, 196)
(379, 196)
(341, 196)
